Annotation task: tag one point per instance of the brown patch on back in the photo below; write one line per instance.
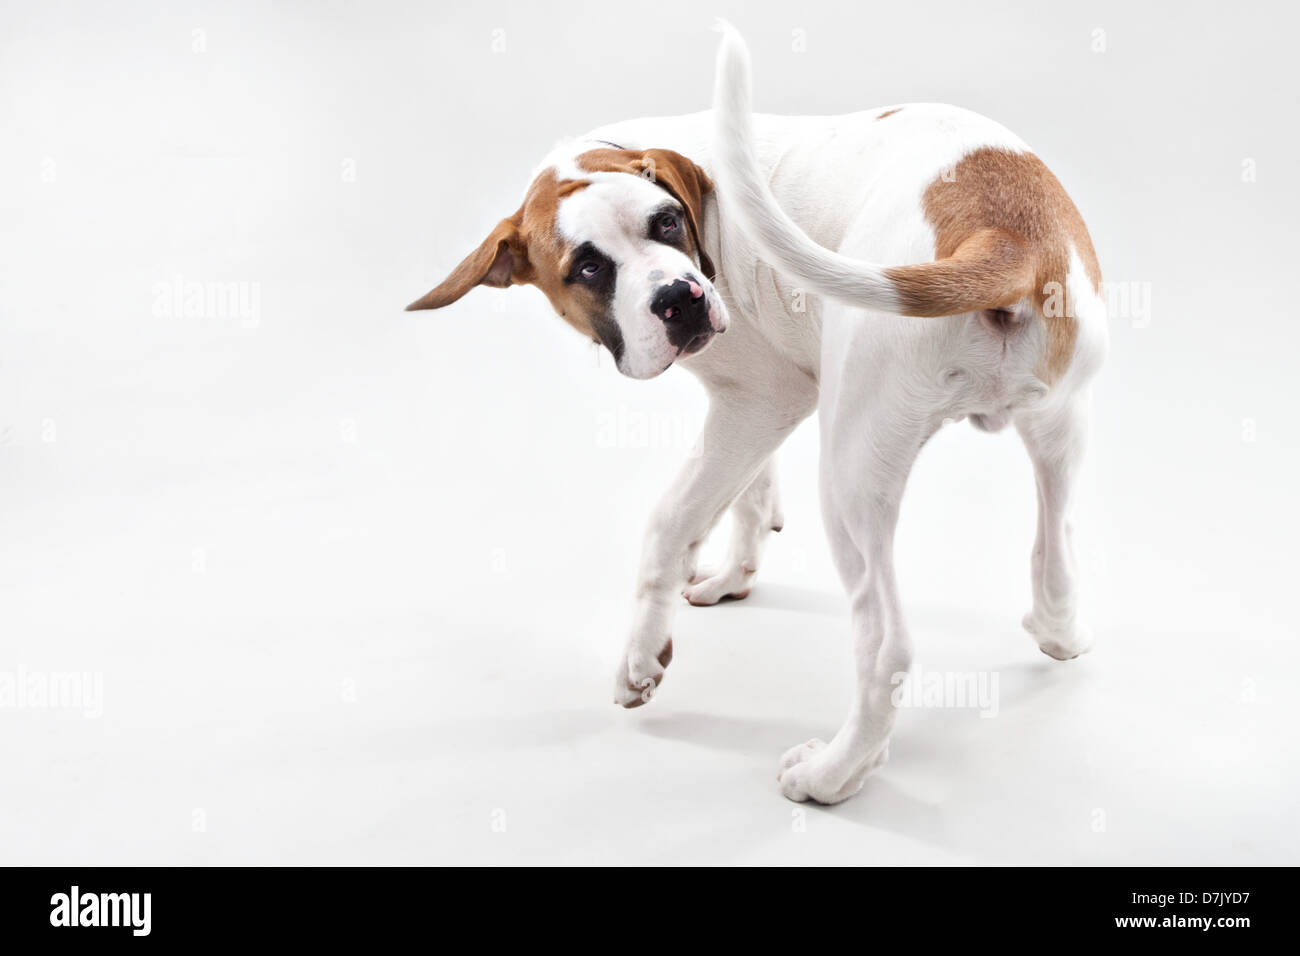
(888, 113)
(1003, 228)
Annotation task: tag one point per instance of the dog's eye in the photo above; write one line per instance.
(666, 224)
(591, 267)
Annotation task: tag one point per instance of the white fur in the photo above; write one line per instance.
(803, 209)
(612, 213)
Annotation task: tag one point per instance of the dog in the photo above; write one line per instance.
(893, 270)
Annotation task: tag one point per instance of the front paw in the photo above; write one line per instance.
(709, 588)
(1062, 640)
(640, 675)
(812, 771)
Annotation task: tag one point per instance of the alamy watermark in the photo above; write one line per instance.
(187, 299)
(1129, 300)
(959, 690)
(623, 426)
(77, 908)
(24, 689)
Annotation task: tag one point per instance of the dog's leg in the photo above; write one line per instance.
(1055, 438)
(756, 513)
(740, 434)
(864, 470)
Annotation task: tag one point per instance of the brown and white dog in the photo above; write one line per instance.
(656, 236)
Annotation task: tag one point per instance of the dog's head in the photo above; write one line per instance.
(617, 250)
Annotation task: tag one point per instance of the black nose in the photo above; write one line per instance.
(675, 304)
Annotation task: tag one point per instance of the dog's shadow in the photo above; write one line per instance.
(952, 773)
(743, 735)
(945, 767)
(789, 597)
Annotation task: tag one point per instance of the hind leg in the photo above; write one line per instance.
(1055, 438)
(864, 470)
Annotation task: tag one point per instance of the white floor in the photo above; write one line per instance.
(353, 582)
(387, 649)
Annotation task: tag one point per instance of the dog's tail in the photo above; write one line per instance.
(990, 268)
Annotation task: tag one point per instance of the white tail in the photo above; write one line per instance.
(988, 268)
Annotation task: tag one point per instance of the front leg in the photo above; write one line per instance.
(741, 431)
(865, 465)
(755, 514)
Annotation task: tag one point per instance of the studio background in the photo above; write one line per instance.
(352, 582)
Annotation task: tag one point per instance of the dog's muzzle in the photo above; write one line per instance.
(683, 307)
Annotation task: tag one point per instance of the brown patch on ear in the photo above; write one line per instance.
(673, 172)
(522, 249)
(888, 113)
(496, 262)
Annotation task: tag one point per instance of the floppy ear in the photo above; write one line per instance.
(688, 184)
(500, 257)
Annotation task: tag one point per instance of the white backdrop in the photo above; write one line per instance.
(339, 583)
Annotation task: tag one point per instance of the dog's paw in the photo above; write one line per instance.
(1062, 641)
(709, 588)
(640, 675)
(810, 772)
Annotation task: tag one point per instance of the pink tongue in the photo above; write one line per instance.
(696, 291)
